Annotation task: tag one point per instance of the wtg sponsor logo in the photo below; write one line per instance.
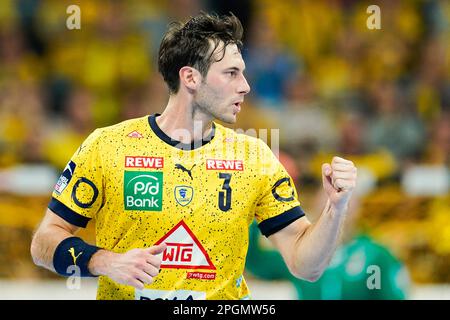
(201, 275)
(184, 250)
(178, 252)
(143, 190)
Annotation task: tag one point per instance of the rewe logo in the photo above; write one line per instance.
(217, 164)
(143, 190)
(184, 251)
(144, 162)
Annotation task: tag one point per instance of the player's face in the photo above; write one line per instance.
(222, 91)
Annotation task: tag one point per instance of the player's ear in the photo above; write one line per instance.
(190, 77)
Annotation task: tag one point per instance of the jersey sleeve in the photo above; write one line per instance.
(278, 205)
(78, 193)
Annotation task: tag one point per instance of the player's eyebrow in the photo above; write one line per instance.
(234, 69)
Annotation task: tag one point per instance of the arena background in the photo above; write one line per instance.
(334, 86)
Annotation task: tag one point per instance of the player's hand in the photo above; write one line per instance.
(136, 267)
(339, 180)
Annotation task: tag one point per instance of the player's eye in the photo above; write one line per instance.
(232, 73)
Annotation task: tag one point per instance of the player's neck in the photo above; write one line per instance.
(180, 122)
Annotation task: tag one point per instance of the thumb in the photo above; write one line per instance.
(326, 178)
(157, 249)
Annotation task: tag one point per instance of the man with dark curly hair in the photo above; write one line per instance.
(173, 195)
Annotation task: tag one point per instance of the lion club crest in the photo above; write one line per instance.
(184, 195)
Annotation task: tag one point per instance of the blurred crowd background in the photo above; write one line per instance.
(330, 84)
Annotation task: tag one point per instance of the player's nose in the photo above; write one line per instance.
(244, 87)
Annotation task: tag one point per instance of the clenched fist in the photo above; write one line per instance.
(339, 180)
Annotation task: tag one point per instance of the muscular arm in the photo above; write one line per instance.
(52, 230)
(308, 248)
(135, 267)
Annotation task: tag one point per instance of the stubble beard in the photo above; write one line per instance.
(207, 104)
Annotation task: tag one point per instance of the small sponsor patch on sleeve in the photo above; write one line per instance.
(65, 177)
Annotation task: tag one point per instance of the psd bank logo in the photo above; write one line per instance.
(143, 190)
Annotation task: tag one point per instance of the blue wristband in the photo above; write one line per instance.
(73, 251)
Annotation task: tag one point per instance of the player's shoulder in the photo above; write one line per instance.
(121, 129)
(240, 136)
(107, 136)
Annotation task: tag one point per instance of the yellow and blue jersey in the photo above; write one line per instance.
(142, 188)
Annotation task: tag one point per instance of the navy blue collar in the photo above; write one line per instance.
(174, 143)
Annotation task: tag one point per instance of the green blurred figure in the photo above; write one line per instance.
(360, 269)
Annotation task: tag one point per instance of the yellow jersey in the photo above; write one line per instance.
(142, 188)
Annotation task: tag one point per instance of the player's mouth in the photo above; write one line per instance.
(237, 107)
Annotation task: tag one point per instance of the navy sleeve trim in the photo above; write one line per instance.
(68, 214)
(274, 224)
